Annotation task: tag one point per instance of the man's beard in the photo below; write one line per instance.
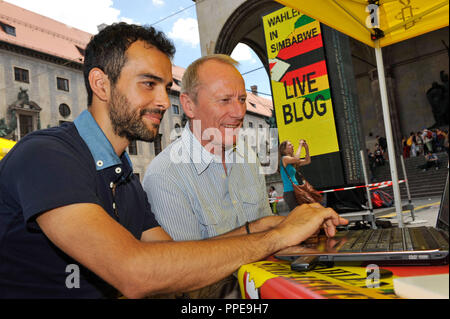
(127, 123)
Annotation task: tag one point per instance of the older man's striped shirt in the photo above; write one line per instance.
(193, 198)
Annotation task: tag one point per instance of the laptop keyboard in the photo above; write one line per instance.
(393, 239)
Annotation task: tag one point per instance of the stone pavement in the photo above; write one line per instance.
(425, 213)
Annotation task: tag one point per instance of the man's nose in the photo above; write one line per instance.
(162, 99)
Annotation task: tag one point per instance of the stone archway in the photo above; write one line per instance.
(245, 26)
(238, 21)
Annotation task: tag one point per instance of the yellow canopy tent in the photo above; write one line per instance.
(361, 19)
(5, 146)
(379, 23)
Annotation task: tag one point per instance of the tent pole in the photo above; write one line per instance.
(388, 128)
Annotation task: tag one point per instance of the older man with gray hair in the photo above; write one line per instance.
(203, 185)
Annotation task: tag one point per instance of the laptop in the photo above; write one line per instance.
(386, 246)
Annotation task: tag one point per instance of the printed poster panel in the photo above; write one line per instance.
(269, 279)
(299, 78)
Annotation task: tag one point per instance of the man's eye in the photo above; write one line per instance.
(149, 84)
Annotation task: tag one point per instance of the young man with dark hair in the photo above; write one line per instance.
(74, 219)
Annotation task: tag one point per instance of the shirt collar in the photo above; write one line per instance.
(198, 155)
(99, 145)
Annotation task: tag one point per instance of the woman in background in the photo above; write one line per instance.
(289, 163)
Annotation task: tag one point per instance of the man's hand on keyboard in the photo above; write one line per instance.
(305, 220)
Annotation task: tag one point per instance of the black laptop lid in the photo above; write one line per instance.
(442, 220)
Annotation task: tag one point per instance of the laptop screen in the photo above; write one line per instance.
(442, 221)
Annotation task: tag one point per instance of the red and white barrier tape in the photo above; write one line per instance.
(374, 186)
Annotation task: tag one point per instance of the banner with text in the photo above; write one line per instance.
(299, 78)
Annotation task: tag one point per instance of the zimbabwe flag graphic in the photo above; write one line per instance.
(299, 78)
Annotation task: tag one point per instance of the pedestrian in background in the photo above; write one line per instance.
(431, 160)
(406, 147)
(427, 137)
(419, 144)
(273, 200)
(379, 158)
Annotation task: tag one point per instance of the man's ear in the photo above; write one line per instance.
(100, 84)
(187, 104)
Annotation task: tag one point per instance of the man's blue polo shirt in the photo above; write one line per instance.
(73, 163)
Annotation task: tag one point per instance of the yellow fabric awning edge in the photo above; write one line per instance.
(317, 14)
(347, 16)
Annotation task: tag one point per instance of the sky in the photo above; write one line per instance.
(176, 18)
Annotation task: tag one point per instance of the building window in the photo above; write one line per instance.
(64, 110)
(62, 84)
(250, 124)
(132, 148)
(21, 75)
(175, 109)
(8, 29)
